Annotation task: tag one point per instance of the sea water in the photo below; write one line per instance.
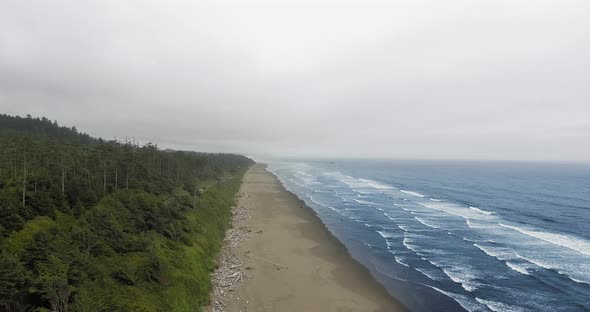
(456, 236)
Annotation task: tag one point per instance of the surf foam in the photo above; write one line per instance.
(412, 193)
(571, 242)
(517, 267)
(427, 223)
(485, 212)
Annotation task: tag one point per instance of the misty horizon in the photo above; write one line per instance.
(502, 80)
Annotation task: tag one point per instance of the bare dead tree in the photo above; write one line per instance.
(195, 198)
(63, 175)
(104, 178)
(24, 174)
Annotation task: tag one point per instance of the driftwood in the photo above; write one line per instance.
(229, 273)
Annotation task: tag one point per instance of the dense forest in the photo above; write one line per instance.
(88, 224)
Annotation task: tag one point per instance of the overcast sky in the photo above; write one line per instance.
(402, 79)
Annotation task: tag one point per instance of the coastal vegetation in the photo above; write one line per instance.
(88, 224)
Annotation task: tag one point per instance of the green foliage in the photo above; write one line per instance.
(52, 282)
(90, 225)
(12, 280)
(18, 241)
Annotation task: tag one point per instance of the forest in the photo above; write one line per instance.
(88, 224)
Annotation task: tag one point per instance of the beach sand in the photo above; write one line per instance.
(291, 262)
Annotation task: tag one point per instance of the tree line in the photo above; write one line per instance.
(82, 217)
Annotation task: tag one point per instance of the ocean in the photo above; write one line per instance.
(458, 236)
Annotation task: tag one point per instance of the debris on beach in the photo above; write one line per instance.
(229, 272)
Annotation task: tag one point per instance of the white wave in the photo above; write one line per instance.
(579, 281)
(377, 185)
(386, 235)
(388, 216)
(469, 224)
(408, 243)
(296, 183)
(479, 224)
(512, 259)
(403, 227)
(457, 210)
(478, 241)
(427, 273)
(348, 180)
(359, 185)
(499, 306)
(402, 208)
(568, 241)
(539, 263)
(400, 260)
(327, 206)
(436, 200)
(413, 193)
(359, 220)
(364, 202)
(449, 208)
(427, 223)
(388, 274)
(517, 267)
(464, 301)
(576, 273)
(461, 275)
(500, 253)
(485, 212)
(305, 177)
(505, 254)
(302, 173)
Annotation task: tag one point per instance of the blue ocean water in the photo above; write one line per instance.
(456, 236)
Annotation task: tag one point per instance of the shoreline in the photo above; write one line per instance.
(286, 259)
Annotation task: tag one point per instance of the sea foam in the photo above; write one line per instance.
(499, 306)
(386, 235)
(364, 202)
(464, 301)
(400, 260)
(517, 267)
(500, 253)
(521, 251)
(412, 193)
(462, 275)
(571, 242)
(485, 212)
(427, 223)
(376, 185)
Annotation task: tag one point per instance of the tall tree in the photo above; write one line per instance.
(24, 173)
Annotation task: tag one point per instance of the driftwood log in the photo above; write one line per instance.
(229, 272)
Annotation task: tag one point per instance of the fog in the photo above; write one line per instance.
(499, 80)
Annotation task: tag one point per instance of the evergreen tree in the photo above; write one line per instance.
(81, 216)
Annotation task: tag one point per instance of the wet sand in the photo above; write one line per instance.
(292, 262)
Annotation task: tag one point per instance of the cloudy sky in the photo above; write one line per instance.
(401, 78)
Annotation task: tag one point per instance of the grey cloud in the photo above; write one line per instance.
(405, 79)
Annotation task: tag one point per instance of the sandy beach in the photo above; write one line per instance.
(289, 260)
